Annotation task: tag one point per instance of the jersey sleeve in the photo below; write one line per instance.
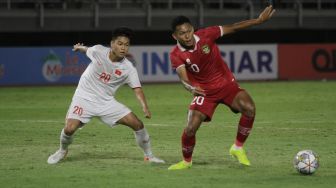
(176, 61)
(212, 33)
(133, 78)
(92, 52)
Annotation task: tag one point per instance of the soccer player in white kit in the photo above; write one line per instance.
(94, 97)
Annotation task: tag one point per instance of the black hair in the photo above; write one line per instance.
(122, 31)
(179, 20)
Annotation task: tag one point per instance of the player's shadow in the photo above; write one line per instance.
(226, 162)
(88, 156)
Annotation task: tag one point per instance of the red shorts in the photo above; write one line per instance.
(207, 104)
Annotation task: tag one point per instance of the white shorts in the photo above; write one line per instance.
(109, 112)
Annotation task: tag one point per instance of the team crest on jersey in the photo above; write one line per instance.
(206, 49)
(117, 72)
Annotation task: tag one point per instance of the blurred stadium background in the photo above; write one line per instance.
(43, 31)
(31, 22)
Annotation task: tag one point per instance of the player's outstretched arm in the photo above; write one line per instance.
(142, 99)
(182, 73)
(265, 15)
(79, 47)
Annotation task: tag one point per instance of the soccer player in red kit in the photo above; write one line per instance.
(203, 72)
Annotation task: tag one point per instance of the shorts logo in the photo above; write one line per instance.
(78, 110)
(206, 49)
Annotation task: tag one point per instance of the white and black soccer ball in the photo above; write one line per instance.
(306, 162)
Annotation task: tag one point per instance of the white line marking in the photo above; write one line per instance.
(226, 124)
(32, 121)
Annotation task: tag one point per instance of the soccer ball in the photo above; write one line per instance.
(306, 162)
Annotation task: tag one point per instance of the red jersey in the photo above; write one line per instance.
(204, 64)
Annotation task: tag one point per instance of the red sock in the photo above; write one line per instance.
(188, 144)
(244, 128)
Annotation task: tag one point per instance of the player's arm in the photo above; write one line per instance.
(79, 47)
(182, 73)
(142, 99)
(265, 15)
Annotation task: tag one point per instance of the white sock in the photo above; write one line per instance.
(65, 140)
(142, 138)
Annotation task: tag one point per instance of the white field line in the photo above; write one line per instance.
(225, 124)
(31, 121)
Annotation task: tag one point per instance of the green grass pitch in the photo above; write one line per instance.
(291, 116)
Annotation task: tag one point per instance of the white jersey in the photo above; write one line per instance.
(102, 77)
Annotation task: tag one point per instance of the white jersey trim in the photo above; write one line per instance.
(183, 49)
(180, 66)
(221, 30)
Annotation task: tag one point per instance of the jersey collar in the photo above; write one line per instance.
(183, 49)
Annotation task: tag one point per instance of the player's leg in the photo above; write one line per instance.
(201, 109)
(141, 136)
(68, 131)
(76, 117)
(66, 139)
(243, 103)
(195, 119)
(188, 139)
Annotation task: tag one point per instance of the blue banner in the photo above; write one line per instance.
(41, 66)
(60, 65)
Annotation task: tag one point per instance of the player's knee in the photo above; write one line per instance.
(71, 127)
(138, 125)
(69, 130)
(250, 110)
(190, 131)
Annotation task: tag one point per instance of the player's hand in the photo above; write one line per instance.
(266, 14)
(198, 91)
(77, 47)
(148, 114)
